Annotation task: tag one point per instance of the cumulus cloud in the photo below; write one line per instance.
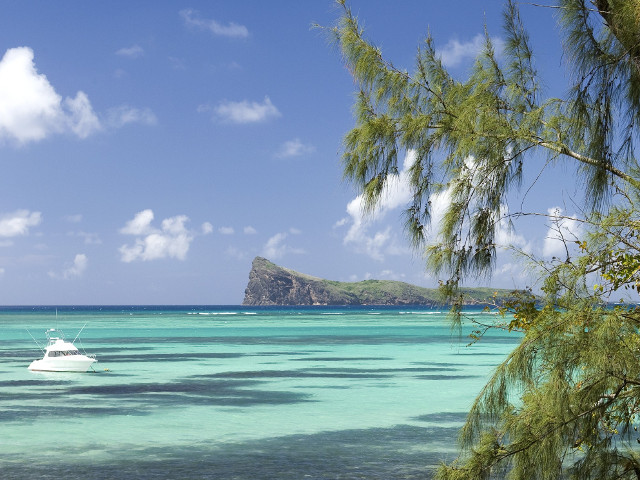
(172, 240)
(294, 148)
(77, 268)
(18, 223)
(563, 229)
(193, 19)
(456, 52)
(506, 235)
(134, 51)
(249, 230)
(276, 247)
(377, 244)
(226, 230)
(31, 108)
(513, 271)
(80, 116)
(206, 228)
(124, 114)
(90, 238)
(244, 112)
(140, 224)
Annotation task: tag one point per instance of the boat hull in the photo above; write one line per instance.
(77, 363)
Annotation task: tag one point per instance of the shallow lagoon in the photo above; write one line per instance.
(239, 393)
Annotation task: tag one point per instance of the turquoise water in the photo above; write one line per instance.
(238, 393)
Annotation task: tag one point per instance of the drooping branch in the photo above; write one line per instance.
(564, 150)
(623, 20)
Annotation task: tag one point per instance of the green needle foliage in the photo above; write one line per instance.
(566, 402)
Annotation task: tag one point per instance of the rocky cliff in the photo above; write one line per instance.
(270, 284)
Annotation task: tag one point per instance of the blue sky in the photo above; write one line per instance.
(150, 149)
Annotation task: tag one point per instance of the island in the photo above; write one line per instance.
(273, 285)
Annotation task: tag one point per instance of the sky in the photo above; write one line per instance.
(151, 149)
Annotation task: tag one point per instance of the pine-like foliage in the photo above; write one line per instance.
(566, 402)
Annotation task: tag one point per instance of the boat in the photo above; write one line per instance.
(62, 356)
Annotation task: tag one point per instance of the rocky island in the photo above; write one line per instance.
(270, 284)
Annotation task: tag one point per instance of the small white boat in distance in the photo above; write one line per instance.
(62, 356)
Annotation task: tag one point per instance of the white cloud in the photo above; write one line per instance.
(18, 223)
(90, 238)
(76, 269)
(245, 111)
(79, 266)
(249, 230)
(134, 51)
(566, 229)
(81, 118)
(396, 193)
(192, 19)
(372, 245)
(226, 230)
(140, 225)
(31, 108)
(207, 228)
(506, 235)
(455, 52)
(294, 148)
(513, 271)
(175, 225)
(341, 223)
(276, 247)
(124, 114)
(171, 241)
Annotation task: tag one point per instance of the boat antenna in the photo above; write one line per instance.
(39, 346)
(74, 340)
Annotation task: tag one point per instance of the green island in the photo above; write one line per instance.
(271, 284)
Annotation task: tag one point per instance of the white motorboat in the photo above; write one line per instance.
(62, 356)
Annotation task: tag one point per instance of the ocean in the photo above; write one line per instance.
(233, 392)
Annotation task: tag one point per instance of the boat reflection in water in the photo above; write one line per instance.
(62, 356)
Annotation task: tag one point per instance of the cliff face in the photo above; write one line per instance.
(270, 284)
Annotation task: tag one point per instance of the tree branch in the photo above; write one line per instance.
(564, 150)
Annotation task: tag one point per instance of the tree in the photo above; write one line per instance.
(566, 401)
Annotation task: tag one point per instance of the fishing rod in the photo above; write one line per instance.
(37, 343)
(74, 340)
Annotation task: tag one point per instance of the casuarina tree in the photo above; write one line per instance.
(566, 402)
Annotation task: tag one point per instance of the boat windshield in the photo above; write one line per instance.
(63, 353)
